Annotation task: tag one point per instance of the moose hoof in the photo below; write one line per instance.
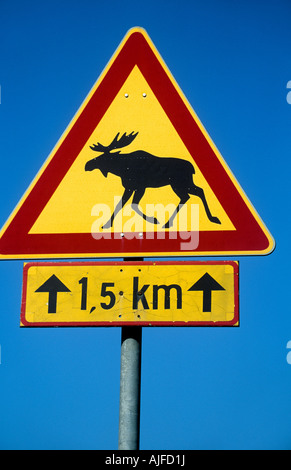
(107, 225)
(215, 220)
(167, 225)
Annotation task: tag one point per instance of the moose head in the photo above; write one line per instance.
(102, 162)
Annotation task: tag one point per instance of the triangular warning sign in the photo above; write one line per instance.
(134, 174)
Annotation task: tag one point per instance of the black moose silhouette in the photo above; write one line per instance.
(140, 170)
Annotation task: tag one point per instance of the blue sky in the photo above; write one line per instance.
(202, 388)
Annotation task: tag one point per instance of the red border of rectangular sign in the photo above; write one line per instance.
(233, 322)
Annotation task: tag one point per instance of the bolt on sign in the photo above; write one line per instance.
(134, 174)
(130, 293)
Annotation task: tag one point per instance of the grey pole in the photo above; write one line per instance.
(130, 375)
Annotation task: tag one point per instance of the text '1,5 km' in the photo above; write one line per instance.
(130, 293)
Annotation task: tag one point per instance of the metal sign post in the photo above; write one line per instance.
(130, 378)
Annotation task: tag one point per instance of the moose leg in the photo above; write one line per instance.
(135, 202)
(125, 197)
(197, 191)
(183, 199)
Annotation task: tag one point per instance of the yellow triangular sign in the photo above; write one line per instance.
(159, 185)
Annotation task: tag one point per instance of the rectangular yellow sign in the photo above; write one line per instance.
(146, 293)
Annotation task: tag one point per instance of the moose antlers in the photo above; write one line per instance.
(115, 144)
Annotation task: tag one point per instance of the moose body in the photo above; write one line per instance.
(139, 170)
(133, 169)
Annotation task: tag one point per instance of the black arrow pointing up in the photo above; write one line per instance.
(206, 284)
(53, 285)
